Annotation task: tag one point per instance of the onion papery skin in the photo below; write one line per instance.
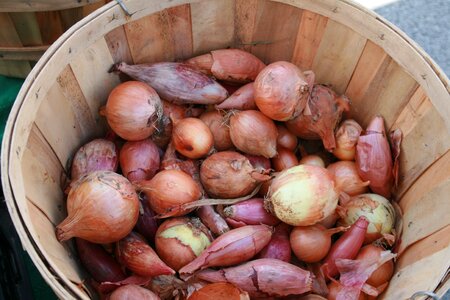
(102, 207)
(139, 160)
(381, 275)
(180, 240)
(303, 195)
(219, 129)
(347, 179)
(170, 188)
(253, 133)
(133, 110)
(377, 209)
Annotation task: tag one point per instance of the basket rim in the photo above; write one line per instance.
(61, 289)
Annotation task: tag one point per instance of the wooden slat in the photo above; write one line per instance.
(118, 45)
(423, 274)
(8, 34)
(15, 68)
(88, 9)
(276, 27)
(212, 25)
(165, 36)
(95, 62)
(51, 26)
(22, 53)
(40, 5)
(70, 16)
(337, 56)
(419, 148)
(244, 23)
(27, 28)
(312, 27)
(425, 205)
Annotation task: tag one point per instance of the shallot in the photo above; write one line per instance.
(346, 138)
(219, 129)
(139, 160)
(241, 99)
(279, 246)
(249, 212)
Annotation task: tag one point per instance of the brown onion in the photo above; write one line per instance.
(345, 175)
(228, 174)
(346, 138)
(133, 252)
(132, 110)
(192, 138)
(180, 240)
(102, 207)
(384, 273)
(219, 291)
(281, 91)
(241, 99)
(97, 155)
(312, 243)
(170, 188)
(312, 160)
(335, 287)
(219, 129)
(253, 133)
(285, 138)
(131, 292)
(284, 159)
(321, 116)
(139, 160)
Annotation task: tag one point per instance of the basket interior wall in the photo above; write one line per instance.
(61, 113)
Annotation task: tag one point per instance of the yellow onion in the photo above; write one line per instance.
(303, 195)
(102, 207)
(376, 209)
(346, 138)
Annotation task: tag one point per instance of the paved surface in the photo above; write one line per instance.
(427, 22)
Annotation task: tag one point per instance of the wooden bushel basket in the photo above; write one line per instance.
(29, 27)
(377, 66)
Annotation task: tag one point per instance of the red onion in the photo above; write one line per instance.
(147, 223)
(139, 160)
(249, 212)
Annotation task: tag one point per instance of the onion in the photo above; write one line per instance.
(97, 155)
(253, 133)
(242, 99)
(131, 292)
(384, 273)
(320, 117)
(98, 262)
(259, 162)
(347, 246)
(285, 138)
(212, 220)
(249, 212)
(312, 160)
(279, 246)
(303, 195)
(335, 287)
(312, 297)
(147, 223)
(133, 252)
(132, 110)
(139, 160)
(219, 291)
(170, 188)
(180, 240)
(345, 175)
(329, 221)
(102, 207)
(376, 209)
(284, 159)
(228, 174)
(281, 91)
(346, 138)
(163, 135)
(219, 129)
(312, 243)
(192, 138)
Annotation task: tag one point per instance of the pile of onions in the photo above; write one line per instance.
(376, 209)
(345, 175)
(102, 207)
(303, 195)
(219, 129)
(139, 160)
(253, 133)
(192, 138)
(133, 110)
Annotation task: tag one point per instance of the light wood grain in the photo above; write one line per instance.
(27, 28)
(40, 5)
(50, 25)
(15, 68)
(8, 33)
(22, 53)
(118, 45)
(310, 33)
(244, 23)
(70, 16)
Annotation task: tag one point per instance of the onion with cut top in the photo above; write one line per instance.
(303, 195)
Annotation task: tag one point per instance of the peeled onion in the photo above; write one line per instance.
(303, 195)
(284, 159)
(170, 188)
(346, 138)
(253, 133)
(192, 138)
(228, 174)
(139, 160)
(346, 177)
(102, 207)
(377, 209)
(285, 138)
(132, 110)
(219, 129)
(180, 240)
